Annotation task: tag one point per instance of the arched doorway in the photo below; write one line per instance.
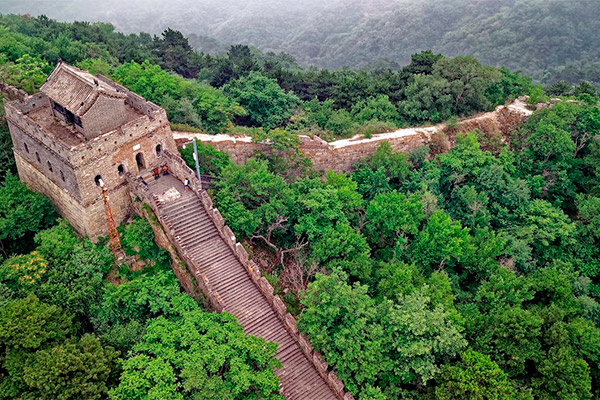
(158, 149)
(139, 159)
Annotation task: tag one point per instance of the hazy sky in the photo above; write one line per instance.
(156, 14)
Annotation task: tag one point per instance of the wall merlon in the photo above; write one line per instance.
(241, 253)
(229, 235)
(290, 323)
(305, 345)
(335, 382)
(320, 364)
(12, 92)
(218, 219)
(279, 307)
(206, 200)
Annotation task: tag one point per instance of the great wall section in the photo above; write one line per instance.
(341, 155)
(219, 266)
(209, 262)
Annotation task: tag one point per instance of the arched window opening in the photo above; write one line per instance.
(26, 147)
(62, 176)
(158, 149)
(99, 181)
(37, 156)
(121, 169)
(50, 166)
(139, 159)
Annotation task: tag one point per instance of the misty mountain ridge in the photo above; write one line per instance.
(535, 36)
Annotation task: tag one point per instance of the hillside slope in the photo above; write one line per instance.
(533, 35)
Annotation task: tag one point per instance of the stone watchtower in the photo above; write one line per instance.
(81, 130)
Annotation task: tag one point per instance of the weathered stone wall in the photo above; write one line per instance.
(135, 100)
(65, 203)
(16, 115)
(44, 159)
(125, 136)
(88, 220)
(106, 114)
(12, 92)
(105, 161)
(341, 155)
(95, 214)
(180, 170)
(327, 157)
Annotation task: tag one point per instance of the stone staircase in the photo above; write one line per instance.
(197, 236)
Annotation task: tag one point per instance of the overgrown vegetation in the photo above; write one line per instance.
(418, 277)
(66, 332)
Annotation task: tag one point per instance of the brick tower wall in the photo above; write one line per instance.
(67, 175)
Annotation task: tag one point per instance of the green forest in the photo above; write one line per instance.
(547, 39)
(471, 273)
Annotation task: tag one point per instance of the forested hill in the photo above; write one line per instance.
(468, 272)
(536, 36)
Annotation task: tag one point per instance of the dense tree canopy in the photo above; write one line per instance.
(469, 274)
(67, 332)
(22, 214)
(211, 93)
(267, 104)
(547, 39)
(199, 355)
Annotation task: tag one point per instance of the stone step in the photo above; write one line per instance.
(181, 203)
(205, 253)
(195, 234)
(190, 212)
(192, 225)
(189, 203)
(230, 280)
(268, 319)
(218, 270)
(234, 295)
(183, 222)
(208, 249)
(221, 275)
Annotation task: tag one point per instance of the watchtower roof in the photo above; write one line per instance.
(77, 90)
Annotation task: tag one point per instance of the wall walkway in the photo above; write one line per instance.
(232, 282)
(341, 155)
